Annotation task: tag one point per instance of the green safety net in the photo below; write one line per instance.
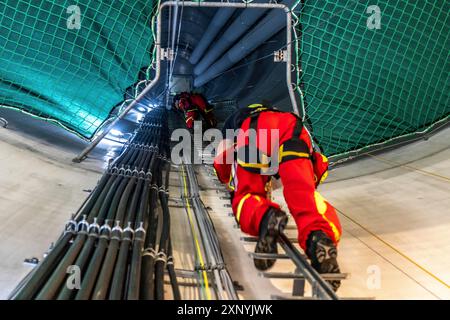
(365, 86)
(73, 61)
(362, 86)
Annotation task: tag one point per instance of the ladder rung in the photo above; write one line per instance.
(176, 206)
(186, 273)
(288, 297)
(255, 239)
(284, 275)
(267, 255)
(356, 298)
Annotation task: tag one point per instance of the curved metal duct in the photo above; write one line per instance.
(239, 26)
(263, 31)
(218, 21)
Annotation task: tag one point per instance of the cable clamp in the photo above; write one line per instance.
(121, 172)
(118, 238)
(141, 175)
(71, 225)
(201, 268)
(117, 227)
(140, 229)
(94, 225)
(218, 266)
(149, 252)
(135, 173)
(161, 257)
(106, 227)
(128, 173)
(114, 170)
(82, 223)
(128, 228)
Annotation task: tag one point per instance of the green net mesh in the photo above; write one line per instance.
(75, 76)
(364, 86)
(361, 86)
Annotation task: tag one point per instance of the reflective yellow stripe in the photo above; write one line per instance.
(252, 165)
(322, 209)
(324, 177)
(325, 174)
(258, 107)
(189, 119)
(283, 154)
(208, 110)
(241, 203)
(280, 152)
(293, 153)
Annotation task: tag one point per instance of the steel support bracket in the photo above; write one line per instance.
(167, 54)
(280, 56)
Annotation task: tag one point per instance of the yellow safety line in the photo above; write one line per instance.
(197, 245)
(409, 167)
(396, 250)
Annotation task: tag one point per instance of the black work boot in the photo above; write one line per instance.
(272, 224)
(322, 252)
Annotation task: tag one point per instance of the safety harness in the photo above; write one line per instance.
(291, 149)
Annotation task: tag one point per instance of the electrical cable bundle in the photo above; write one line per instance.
(114, 241)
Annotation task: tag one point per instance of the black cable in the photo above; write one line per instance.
(53, 284)
(118, 279)
(148, 259)
(89, 279)
(172, 275)
(111, 261)
(81, 263)
(161, 259)
(103, 281)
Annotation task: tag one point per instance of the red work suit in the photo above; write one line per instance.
(249, 202)
(194, 105)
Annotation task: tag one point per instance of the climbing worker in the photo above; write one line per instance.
(300, 168)
(193, 105)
